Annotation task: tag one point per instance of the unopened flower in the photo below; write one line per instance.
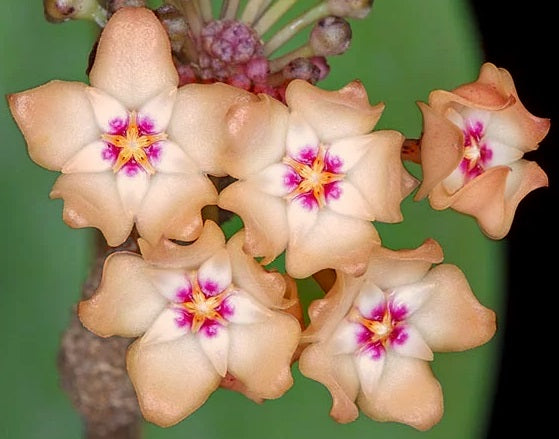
(371, 338)
(472, 146)
(238, 44)
(205, 312)
(132, 148)
(312, 177)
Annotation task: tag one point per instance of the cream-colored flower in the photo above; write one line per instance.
(131, 146)
(205, 312)
(312, 177)
(472, 146)
(371, 338)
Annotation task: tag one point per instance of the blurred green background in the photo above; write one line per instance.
(404, 49)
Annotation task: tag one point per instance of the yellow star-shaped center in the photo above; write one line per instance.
(203, 308)
(313, 176)
(133, 145)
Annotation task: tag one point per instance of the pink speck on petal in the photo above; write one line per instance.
(209, 287)
(333, 163)
(291, 179)
(146, 125)
(377, 313)
(131, 168)
(154, 152)
(398, 311)
(184, 294)
(183, 318)
(110, 153)
(118, 126)
(332, 191)
(307, 155)
(210, 328)
(226, 308)
(374, 350)
(399, 335)
(307, 200)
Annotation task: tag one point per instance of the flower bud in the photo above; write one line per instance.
(330, 36)
(57, 11)
(302, 68)
(350, 8)
(175, 25)
(115, 5)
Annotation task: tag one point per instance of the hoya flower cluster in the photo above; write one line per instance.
(145, 146)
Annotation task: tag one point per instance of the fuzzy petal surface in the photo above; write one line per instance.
(334, 114)
(172, 206)
(126, 302)
(453, 319)
(133, 60)
(407, 392)
(92, 200)
(171, 379)
(204, 138)
(56, 120)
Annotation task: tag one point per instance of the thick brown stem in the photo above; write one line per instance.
(411, 150)
(93, 369)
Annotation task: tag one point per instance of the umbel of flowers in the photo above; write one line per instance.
(137, 149)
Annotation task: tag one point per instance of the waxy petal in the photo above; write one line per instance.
(410, 343)
(156, 113)
(202, 137)
(369, 371)
(171, 284)
(216, 347)
(301, 141)
(171, 380)
(271, 343)
(111, 116)
(494, 209)
(184, 257)
(166, 328)
(132, 189)
(407, 392)
(389, 269)
(257, 130)
(172, 205)
(370, 298)
(273, 180)
(335, 241)
(264, 218)
(89, 159)
(338, 374)
(442, 148)
(92, 200)
(56, 120)
(350, 151)
(381, 177)
(172, 159)
(344, 340)
(334, 114)
(493, 87)
(452, 319)
(351, 202)
(214, 275)
(133, 60)
(246, 310)
(301, 220)
(267, 287)
(126, 303)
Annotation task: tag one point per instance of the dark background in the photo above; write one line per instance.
(522, 37)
